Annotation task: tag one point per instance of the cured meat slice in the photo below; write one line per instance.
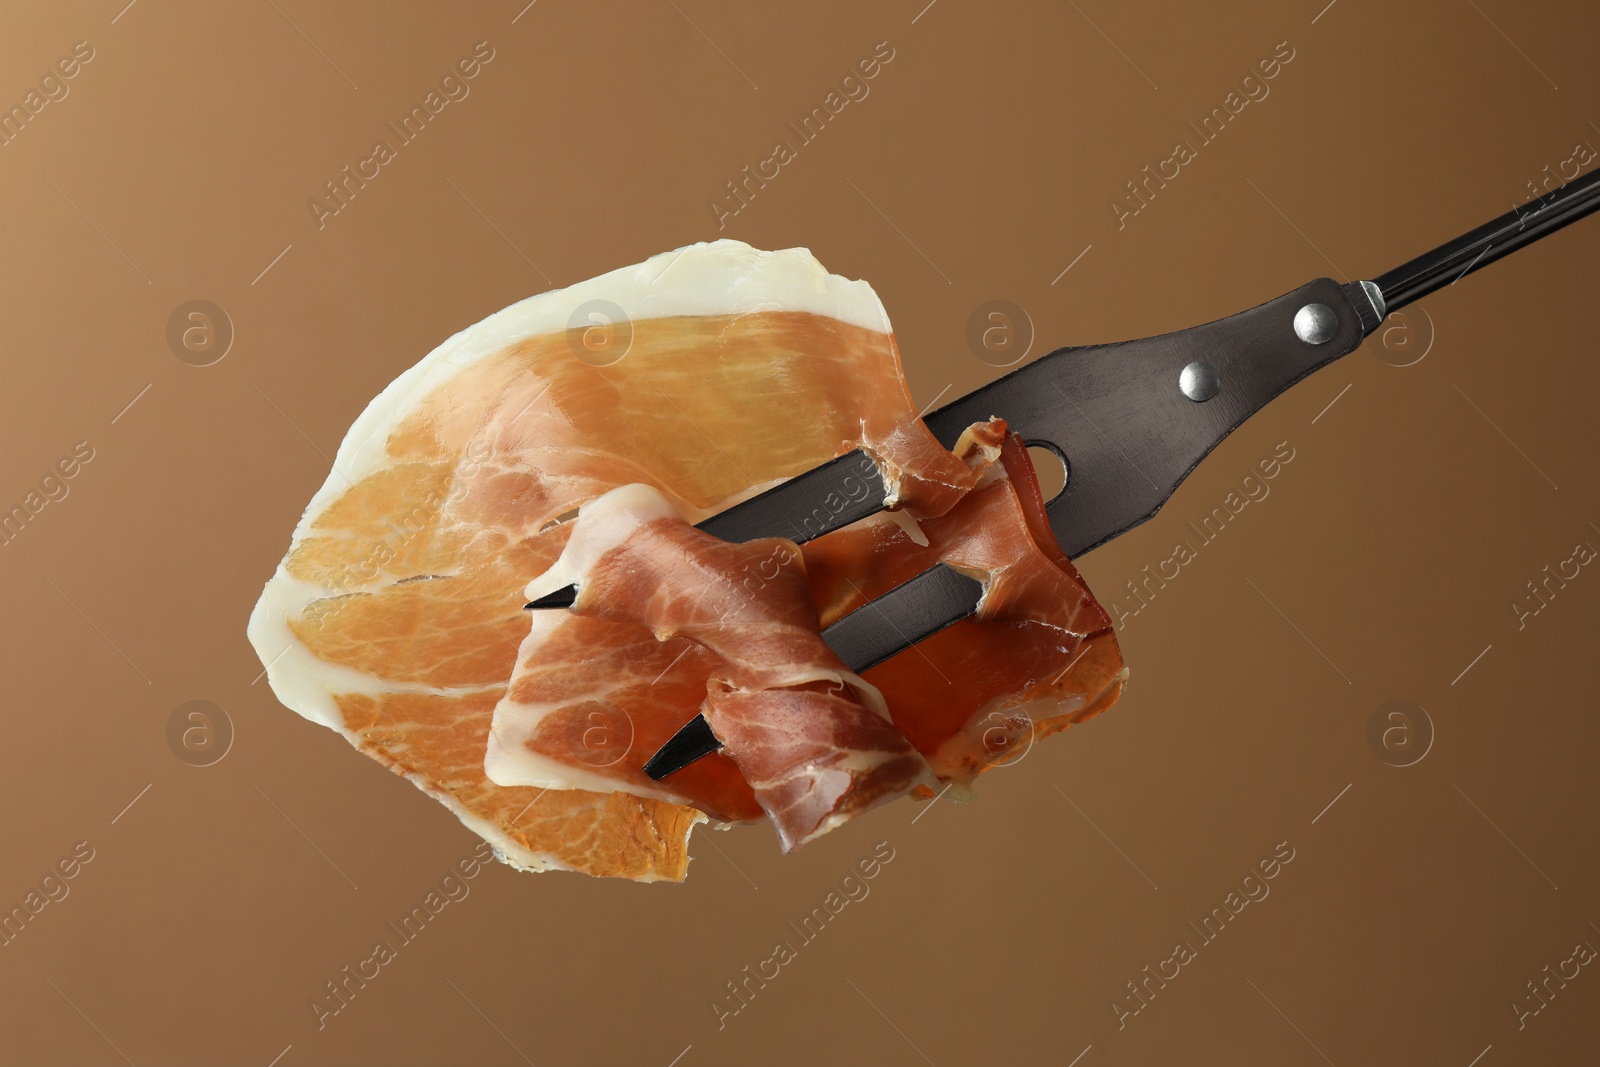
(396, 615)
(708, 374)
(812, 740)
(1038, 655)
(816, 743)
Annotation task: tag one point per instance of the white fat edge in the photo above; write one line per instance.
(721, 277)
(969, 442)
(994, 472)
(892, 482)
(306, 684)
(909, 524)
(508, 761)
(864, 762)
(557, 577)
(603, 525)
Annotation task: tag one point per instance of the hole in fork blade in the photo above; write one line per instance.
(692, 742)
(1050, 469)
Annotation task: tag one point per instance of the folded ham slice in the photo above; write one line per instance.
(813, 740)
(396, 616)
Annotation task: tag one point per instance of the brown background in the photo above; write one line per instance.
(221, 901)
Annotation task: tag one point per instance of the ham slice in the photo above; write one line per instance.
(396, 616)
(813, 740)
(1038, 655)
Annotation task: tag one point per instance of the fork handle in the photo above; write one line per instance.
(1449, 263)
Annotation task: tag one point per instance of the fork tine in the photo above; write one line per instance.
(818, 501)
(564, 597)
(692, 742)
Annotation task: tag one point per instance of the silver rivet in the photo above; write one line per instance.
(1315, 324)
(1199, 381)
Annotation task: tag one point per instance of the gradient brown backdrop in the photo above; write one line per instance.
(1381, 567)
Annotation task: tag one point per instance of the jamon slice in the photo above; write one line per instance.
(1036, 657)
(395, 618)
(396, 615)
(813, 741)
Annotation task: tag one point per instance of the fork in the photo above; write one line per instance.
(1129, 421)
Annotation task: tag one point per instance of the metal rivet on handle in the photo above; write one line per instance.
(1199, 381)
(1315, 324)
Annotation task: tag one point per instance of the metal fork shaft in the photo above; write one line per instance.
(1451, 262)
